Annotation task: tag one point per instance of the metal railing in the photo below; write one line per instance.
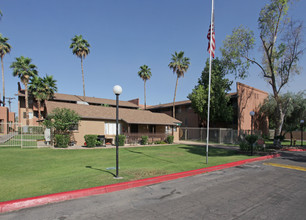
(135, 138)
(216, 135)
(16, 135)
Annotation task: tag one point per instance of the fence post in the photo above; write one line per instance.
(219, 135)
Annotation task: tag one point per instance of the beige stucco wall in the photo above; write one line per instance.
(88, 127)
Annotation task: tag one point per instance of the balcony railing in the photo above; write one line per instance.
(135, 138)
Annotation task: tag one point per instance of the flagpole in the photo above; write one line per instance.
(210, 62)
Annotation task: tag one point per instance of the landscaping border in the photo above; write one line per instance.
(14, 205)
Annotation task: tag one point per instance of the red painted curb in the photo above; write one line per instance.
(14, 205)
(293, 149)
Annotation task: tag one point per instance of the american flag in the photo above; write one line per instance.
(213, 45)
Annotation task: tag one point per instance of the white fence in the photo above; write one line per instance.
(16, 135)
(216, 135)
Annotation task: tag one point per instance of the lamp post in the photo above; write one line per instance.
(302, 123)
(117, 90)
(252, 113)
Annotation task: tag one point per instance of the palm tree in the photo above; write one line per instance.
(50, 86)
(25, 70)
(179, 65)
(145, 74)
(36, 88)
(42, 89)
(4, 49)
(80, 47)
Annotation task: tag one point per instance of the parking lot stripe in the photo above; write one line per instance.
(286, 166)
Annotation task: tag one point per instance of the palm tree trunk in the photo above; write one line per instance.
(26, 103)
(39, 111)
(145, 102)
(3, 93)
(173, 111)
(83, 78)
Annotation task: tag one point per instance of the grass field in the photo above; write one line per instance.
(33, 172)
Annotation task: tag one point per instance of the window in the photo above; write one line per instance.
(110, 128)
(30, 115)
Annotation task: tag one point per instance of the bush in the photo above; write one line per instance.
(121, 140)
(144, 140)
(62, 140)
(170, 139)
(91, 140)
(280, 137)
(160, 142)
(251, 139)
(244, 146)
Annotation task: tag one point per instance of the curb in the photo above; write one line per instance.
(14, 205)
(293, 150)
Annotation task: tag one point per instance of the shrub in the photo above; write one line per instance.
(170, 139)
(144, 140)
(121, 140)
(160, 142)
(244, 146)
(62, 140)
(91, 140)
(251, 139)
(280, 137)
(98, 143)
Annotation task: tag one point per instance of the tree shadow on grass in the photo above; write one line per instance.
(141, 153)
(105, 171)
(212, 152)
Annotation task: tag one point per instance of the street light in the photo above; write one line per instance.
(302, 123)
(252, 113)
(117, 90)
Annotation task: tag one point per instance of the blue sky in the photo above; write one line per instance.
(125, 34)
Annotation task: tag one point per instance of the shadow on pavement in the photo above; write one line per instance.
(294, 156)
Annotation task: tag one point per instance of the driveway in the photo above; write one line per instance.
(271, 189)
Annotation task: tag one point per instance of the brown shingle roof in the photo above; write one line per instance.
(169, 104)
(130, 116)
(90, 100)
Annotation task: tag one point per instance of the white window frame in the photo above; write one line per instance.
(110, 128)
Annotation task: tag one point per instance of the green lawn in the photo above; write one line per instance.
(33, 172)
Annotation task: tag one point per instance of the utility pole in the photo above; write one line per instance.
(9, 101)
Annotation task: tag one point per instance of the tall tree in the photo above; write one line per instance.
(179, 65)
(36, 88)
(4, 49)
(80, 47)
(25, 70)
(295, 110)
(220, 86)
(145, 74)
(42, 89)
(281, 44)
(50, 86)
